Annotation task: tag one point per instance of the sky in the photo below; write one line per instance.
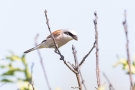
(21, 20)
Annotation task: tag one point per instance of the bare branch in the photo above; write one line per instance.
(127, 48)
(75, 57)
(72, 65)
(41, 62)
(31, 81)
(97, 51)
(62, 57)
(69, 67)
(110, 85)
(47, 22)
(83, 81)
(77, 68)
(87, 54)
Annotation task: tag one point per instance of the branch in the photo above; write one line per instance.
(77, 68)
(97, 51)
(72, 65)
(87, 54)
(31, 81)
(75, 57)
(62, 57)
(110, 85)
(83, 81)
(41, 62)
(47, 22)
(127, 48)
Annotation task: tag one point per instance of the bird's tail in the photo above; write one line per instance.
(32, 49)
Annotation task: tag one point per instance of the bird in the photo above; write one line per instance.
(61, 37)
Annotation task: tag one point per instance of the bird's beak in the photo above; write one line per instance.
(75, 37)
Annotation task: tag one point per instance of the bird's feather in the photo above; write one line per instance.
(55, 34)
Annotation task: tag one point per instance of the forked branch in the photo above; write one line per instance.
(62, 57)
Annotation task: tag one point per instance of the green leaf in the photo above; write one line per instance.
(10, 72)
(13, 58)
(122, 61)
(3, 66)
(24, 59)
(134, 60)
(6, 80)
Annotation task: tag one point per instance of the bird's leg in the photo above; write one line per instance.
(62, 57)
(56, 51)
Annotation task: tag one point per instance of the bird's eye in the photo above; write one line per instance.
(66, 33)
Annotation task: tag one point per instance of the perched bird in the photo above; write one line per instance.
(61, 36)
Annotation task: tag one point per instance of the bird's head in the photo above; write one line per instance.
(70, 35)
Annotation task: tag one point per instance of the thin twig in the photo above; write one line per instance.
(75, 58)
(72, 65)
(31, 81)
(41, 62)
(110, 85)
(127, 48)
(87, 54)
(97, 51)
(2, 84)
(47, 22)
(77, 68)
(69, 67)
(83, 82)
(62, 57)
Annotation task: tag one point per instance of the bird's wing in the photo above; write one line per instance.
(55, 34)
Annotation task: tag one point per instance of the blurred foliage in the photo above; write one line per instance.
(102, 87)
(11, 70)
(124, 63)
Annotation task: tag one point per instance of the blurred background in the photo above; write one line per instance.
(20, 21)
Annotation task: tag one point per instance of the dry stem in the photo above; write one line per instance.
(97, 51)
(41, 62)
(127, 48)
(77, 68)
(31, 81)
(87, 54)
(110, 85)
(83, 81)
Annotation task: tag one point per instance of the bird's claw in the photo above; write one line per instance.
(56, 51)
(62, 57)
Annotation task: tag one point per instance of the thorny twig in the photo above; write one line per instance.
(41, 62)
(110, 85)
(62, 57)
(97, 51)
(127, 48)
